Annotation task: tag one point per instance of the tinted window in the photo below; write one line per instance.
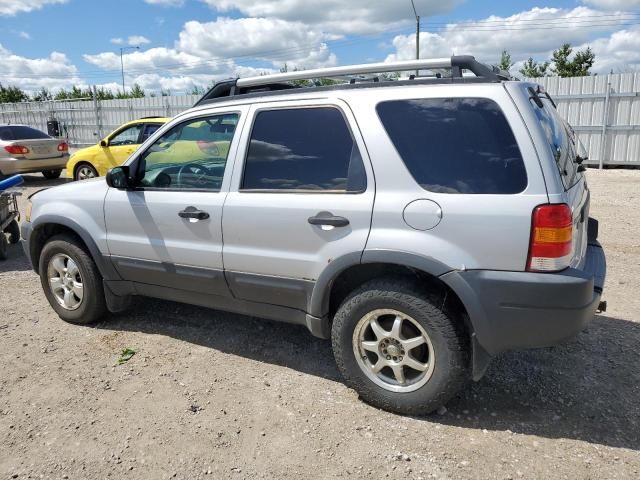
(18, 132)
(456, 145)
(149, 130)
(190, 156)
(561, 140)
(303, 149)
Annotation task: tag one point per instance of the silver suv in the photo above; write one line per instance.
(424, 225)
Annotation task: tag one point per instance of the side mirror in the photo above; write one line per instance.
(103, 143)
(118, 177)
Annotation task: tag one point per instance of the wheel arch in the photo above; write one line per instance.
(48, 226)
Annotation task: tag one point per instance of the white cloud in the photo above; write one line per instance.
(133, 40)
(166, 3)
(613, 4)
(524, 34)
(339, 16)
(24, 35)
(619, 52)
(53, 72)
(12, 7)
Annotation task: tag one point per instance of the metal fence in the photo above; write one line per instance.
(85, 121)
(604, 110)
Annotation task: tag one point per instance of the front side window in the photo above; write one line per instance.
(303, 149)
(128, 136)
(455, 145)
(190, 156)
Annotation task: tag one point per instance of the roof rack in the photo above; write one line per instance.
(457, 64)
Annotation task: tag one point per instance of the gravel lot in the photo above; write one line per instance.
(215, 395)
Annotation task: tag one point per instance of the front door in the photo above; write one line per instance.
(122, 144)
(303, 198)
(167, 231)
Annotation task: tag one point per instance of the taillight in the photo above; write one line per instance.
(16, 149)
(63, 147)
(551, 238)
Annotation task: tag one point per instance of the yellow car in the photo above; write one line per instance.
(113, 150)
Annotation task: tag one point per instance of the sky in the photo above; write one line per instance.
(186, 43)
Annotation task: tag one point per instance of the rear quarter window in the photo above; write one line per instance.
(455, 145)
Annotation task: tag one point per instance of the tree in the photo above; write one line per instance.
(196, 90)
(136, 91)
(505, 61)
(12, 94)
(533, 69)
(43, 95)
(578, 67)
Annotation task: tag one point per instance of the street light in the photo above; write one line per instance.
(415, 13)
(122, 49)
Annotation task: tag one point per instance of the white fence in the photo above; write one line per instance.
(84, 122)
(604, 110)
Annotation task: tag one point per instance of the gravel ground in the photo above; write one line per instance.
(215, 395)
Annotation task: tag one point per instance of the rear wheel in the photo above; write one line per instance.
(52, 174)
(71, 281)
(85, 171)
(14, 232)
(398, 349)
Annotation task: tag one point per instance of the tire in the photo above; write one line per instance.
(52, 174)
(4, 244)
(443, 357)
(14, 232)
(92, 306)
(84, 171)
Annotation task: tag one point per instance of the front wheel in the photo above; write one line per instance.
(398, 349)
(71, 281)
(84, 172)
(52, 174)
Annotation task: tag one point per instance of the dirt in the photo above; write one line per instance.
(215, 395)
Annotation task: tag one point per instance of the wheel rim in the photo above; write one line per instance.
(393, 350)
(65, 281)
(86, 172)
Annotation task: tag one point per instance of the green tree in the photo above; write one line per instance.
(580, 65)
(43, 95)
(196, 90)
(533, 69)
(12, 94)
(136, 91)
(505, 61)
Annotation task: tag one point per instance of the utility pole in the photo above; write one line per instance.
(415, 13)
(122, 49)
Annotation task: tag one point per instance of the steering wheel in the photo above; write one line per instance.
(198, 174)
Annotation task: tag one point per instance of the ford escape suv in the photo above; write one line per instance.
(423, 225)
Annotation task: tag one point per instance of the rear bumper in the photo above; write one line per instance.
(12, 166)
(516, 310)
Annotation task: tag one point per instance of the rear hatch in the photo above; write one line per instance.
(39, 144)
(568, 155)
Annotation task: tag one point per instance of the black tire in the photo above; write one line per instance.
(84, 166)
(4, 244)
(450, 346)
(13, 229)
(93, 306)
(52, 174)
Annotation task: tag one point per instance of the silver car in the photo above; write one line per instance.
(423, 225)
(26, 150)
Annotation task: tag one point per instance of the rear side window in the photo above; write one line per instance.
(303, 149)
(455, 145)
(561, 142)
(19, 132)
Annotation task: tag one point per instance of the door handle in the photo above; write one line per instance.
(328, 219)
(193, 213)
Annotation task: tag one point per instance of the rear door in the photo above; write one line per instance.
(302, 198)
